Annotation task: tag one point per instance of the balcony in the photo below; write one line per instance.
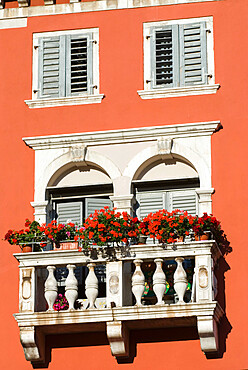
(124, 304)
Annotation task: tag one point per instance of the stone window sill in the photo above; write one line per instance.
(178, 91)
(57, 102)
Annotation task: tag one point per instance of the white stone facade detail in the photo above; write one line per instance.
(90, 6)
(123, 155)
(178, 91)
(155, 93)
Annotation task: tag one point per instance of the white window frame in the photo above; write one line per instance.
(153, 93)
(85, 98)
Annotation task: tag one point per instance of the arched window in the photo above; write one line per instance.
(166, 184)
(77, 193)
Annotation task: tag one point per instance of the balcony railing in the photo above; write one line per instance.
(131, 287)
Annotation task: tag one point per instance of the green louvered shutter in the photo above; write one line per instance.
(50, 66)
(69, 212)
(184, 200)
(65, 65)
(78, 64)
(193, 54)
(164, 56)
(149, 202)
(92, 204)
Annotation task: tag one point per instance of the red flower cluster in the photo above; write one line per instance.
(59, 232)
(207, 223)
(106, 226)
(166, 226)
(29, 236)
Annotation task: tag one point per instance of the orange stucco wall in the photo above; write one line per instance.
(121, 75)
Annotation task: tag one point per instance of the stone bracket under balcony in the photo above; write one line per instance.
(117, 323)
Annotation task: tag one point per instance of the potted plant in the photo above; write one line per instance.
(167, 227)
(207, 226)
(61, 303)
(29, 239)
(63, 236)
(106, 227)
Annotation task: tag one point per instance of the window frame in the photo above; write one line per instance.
(91, 96)
(150, 91)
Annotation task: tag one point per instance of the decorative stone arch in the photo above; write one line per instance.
(168, 149)
(190, 157)
(74, 157)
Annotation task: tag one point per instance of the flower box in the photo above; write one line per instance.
(64, 246)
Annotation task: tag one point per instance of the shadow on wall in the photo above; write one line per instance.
(224, 326)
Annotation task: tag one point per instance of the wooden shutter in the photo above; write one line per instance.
(78, 64)
(69, 212)
(193, 54)
(50, 65)
(65, 65)
(149, 202)
(184, 200)
(91, 204)
(164, 52)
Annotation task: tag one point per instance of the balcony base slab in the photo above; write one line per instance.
(117, 322)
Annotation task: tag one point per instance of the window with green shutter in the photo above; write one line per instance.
(65, 68)
(65, 65)
(178, 55)
(178, 58)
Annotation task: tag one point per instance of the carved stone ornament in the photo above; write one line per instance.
(203, 277)
(29, 340)
(26, 283)
(118, 337)
(78, 153)
(164, 146)
(114, 283)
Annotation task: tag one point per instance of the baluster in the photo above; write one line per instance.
(138, 282)
(193, 294)
(51, 288)
(180, 279)
(159, 280)
(91, 284)
(71, 287)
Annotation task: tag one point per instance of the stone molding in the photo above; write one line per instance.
(139, 134)
(58, 102)
(64, 257)
(178, 91)
(90, 6)
(208, 315)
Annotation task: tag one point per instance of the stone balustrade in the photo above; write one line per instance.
(136, 282)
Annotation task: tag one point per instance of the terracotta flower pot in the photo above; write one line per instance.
(202, 237)
(180, 239)
(142, 239)
(65, 246)
(26, 249)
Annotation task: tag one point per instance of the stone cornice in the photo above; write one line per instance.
(140, 134)
(88, 6)
(131, 313)
(151, 251)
